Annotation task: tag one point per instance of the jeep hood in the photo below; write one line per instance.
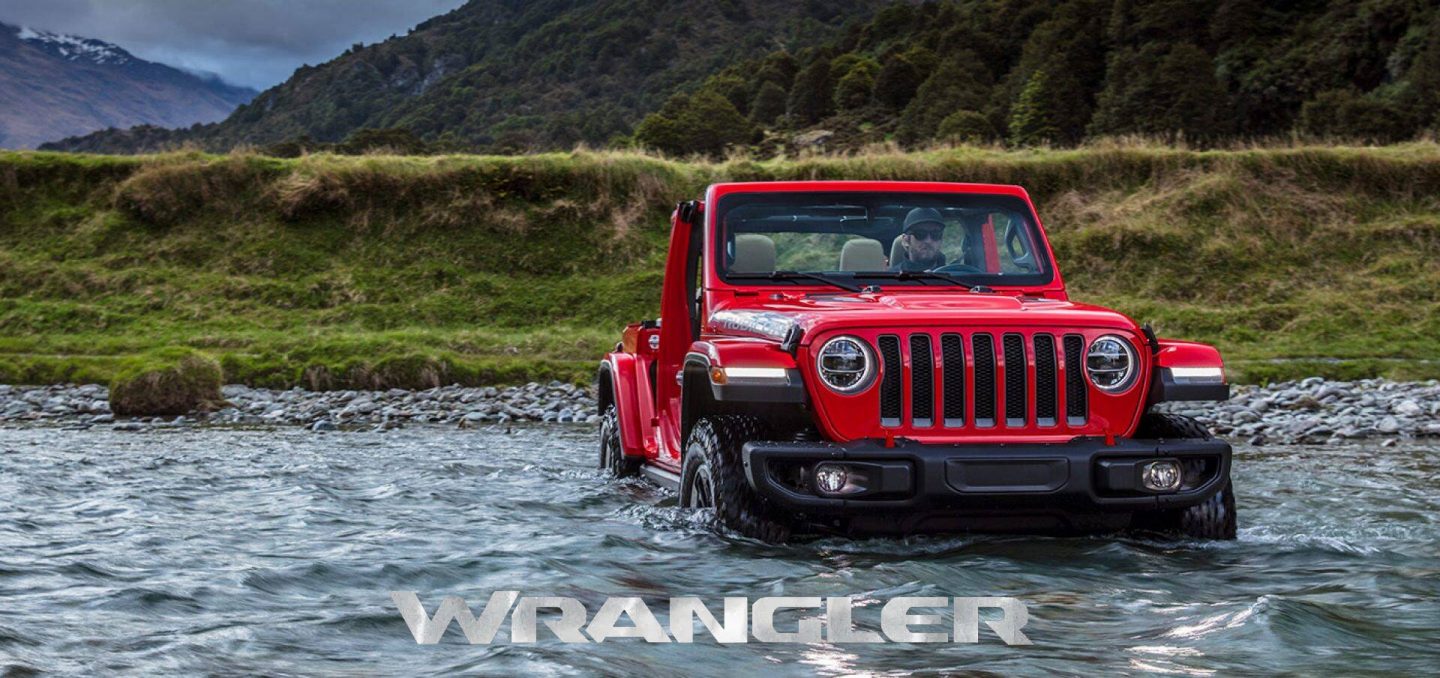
(815, 314)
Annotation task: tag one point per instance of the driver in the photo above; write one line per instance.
(920, 241)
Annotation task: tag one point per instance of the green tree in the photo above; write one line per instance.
(779, 68)
(854, 90)
(1032, 118)
(1162, 90)
(811, 99)
(841, 65)
(897, 82)
(769, 104)
(1068, 46)
(704, 123)
(1424, 76)
(734, 88)
(950, 88)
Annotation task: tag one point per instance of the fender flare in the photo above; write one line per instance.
(783, 382)
(700, 389)
(1187, 370)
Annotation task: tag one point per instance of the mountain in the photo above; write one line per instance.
(514, 74)
(54, 86)
(700, 76)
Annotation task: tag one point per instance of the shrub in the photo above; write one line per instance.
(190, 383)
(966, 126)
(705, 123)
(1345, 114)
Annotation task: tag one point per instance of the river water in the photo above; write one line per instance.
(274, 551)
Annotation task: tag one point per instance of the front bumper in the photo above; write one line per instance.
(1084, 476)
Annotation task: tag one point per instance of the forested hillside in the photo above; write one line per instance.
(521, 76)
(512, 75)
(1027, 72)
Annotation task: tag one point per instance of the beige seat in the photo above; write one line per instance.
(897, 250)
(862, 254)
(754, 253)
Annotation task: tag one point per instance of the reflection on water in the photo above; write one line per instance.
(228, 551)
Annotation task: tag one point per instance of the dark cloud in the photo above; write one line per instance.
(248, 42)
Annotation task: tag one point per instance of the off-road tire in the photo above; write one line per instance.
(1212, 519)
(612, 455)
(713, 475)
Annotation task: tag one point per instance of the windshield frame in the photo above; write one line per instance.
(1012, 200)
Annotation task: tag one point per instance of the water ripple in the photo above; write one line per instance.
(247, 551)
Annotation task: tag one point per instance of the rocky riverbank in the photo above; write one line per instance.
(1316, 411)
(1309, 411)
(321, 411)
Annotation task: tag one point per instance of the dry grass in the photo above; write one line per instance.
(1280, 250)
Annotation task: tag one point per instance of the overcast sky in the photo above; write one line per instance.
(258, 43)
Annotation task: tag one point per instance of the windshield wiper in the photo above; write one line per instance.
(916, 275)
(794, 275)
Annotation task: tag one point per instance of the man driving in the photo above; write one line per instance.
(920, 241)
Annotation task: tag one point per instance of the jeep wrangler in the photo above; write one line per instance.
(902, 357)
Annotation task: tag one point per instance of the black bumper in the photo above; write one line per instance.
(1084, 476)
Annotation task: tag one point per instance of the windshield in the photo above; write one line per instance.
(879, 237)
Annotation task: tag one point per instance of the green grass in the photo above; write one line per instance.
(336, 272)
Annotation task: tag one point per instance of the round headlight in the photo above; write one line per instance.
(845, 364)
(1110, 362)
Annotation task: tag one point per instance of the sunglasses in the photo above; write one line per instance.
(927, 234)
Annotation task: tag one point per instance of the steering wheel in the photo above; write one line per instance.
(957, 268)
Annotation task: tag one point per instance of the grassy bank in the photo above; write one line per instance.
(330, 272)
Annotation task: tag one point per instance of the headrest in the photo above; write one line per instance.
(897, 250)
(754, 253)
(862, 254)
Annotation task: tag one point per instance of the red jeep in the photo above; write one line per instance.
(899, 357)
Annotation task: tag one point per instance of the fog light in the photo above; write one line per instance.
(831, 478)
(1161, 476)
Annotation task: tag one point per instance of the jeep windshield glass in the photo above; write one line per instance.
(877, 237)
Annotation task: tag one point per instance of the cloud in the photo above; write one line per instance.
(249, 42)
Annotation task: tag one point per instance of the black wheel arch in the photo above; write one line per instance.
(696, 399)
(604, 388)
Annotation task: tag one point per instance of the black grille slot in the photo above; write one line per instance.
(1045, 386)
(952, 351)
(890, 395)
(984, 348)
(1015, 369)
(922, 381)
(1076, 405)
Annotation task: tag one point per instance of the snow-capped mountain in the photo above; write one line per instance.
(75, 48)
(53, 86)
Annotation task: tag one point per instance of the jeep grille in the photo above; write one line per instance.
(994, 381)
